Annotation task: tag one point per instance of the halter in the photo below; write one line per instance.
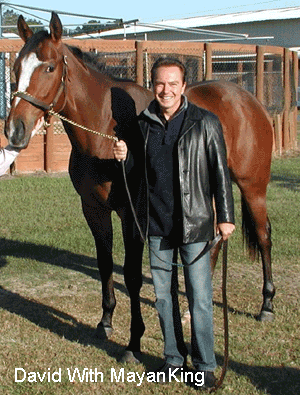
(48, 108)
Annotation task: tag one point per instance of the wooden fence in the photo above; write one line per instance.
(270, 73)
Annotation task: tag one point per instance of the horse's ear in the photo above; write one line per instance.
(24, 30)
(55, 27)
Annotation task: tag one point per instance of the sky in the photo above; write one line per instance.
(152, 11)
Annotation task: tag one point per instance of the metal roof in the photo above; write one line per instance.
(205, 21)
(239, 17)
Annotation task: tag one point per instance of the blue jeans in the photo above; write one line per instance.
(198, 285)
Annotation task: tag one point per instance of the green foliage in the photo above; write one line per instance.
(10, 18)
(89, 27)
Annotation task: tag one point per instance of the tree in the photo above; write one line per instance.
(10, 18)
(91, 26)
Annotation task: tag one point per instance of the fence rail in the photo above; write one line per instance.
(270, 73)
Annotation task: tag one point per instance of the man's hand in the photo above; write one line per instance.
(120, 150)
(225, 229)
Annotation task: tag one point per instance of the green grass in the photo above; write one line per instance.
(50, 297)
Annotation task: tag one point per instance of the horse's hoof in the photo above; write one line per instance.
(265, 316)
(131, 357)
(103, 332)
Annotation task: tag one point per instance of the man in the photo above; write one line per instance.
(9, 154)
(186, 168)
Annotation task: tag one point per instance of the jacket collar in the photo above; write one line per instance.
(193, 114)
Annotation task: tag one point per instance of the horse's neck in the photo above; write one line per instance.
(87, 105)
(83, 82)
(100, 103)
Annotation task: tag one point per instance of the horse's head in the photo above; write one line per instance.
(40, 70)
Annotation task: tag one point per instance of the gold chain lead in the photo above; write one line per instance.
(51, 112)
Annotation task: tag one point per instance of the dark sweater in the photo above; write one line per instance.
(162, 170)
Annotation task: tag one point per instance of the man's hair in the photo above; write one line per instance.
(167, 62)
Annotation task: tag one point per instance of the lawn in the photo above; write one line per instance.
(50, 299)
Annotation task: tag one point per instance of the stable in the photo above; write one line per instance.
(278, 27)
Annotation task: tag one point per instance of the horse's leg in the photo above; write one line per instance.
(133, 280)
(99, 221)
(257, 231)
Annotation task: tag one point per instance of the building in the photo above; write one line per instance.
(278, 27)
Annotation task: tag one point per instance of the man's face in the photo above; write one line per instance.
(168, 86)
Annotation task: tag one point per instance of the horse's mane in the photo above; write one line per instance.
(93, 60)
(90, 58)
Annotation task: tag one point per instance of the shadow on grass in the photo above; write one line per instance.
(61, 258)
(286, 181)
(80, 263)
(60, 323)
(273, 380)
(237, 312)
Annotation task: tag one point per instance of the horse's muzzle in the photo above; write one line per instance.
(17, 135)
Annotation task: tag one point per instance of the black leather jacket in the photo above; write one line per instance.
(203, 175)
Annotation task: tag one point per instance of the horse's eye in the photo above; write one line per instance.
(50, 69)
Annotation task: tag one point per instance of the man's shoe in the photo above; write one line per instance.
(201, 380)
(167, 373)
(209, 381)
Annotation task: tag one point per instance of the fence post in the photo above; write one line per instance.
(240, 73)
(139, 63)
(208, 63)
(260, 52)
(287, 99)
(49, 146)
(296, 78)
(201, 62)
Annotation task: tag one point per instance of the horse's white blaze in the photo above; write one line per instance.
(28, 65)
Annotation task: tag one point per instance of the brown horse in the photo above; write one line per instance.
(52, 75)
(248, 135)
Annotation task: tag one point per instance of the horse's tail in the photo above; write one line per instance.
(249, 232)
